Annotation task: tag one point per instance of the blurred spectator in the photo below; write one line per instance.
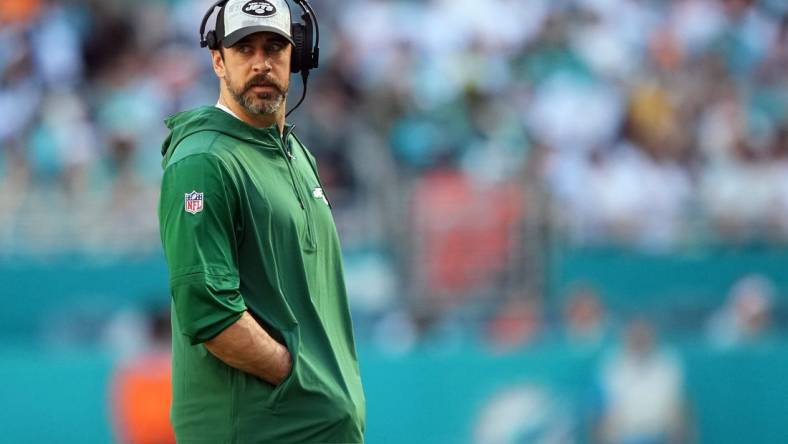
(746, 316)
(585, 322)
(518, 323)
(141, 392)
(642, 389)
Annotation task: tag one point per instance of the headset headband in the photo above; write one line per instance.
(311, 27)
(203, 41)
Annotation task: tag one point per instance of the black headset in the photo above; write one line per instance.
(305, 55)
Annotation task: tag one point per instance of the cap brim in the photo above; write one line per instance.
(234, 37)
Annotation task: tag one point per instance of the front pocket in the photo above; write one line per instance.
(279, 392)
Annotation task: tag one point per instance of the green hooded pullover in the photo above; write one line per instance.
(245, 227)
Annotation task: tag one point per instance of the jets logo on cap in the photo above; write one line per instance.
(259, 8)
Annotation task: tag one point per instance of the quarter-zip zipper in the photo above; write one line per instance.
(283, 148)
(285, 145)
(289, 157)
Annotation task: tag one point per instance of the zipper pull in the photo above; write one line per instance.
(285, 136)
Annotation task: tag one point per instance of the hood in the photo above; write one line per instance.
(211, 118)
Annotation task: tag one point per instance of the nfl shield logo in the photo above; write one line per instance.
(193, 202)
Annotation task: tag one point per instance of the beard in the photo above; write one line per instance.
(261, 103)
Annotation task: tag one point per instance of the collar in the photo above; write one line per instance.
(213, 118)
(286, 130)
(224, 108)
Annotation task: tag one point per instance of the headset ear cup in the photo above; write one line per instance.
(210, 38)
(298, 31)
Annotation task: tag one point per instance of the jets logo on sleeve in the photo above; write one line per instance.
(317, 193)
(194, 202)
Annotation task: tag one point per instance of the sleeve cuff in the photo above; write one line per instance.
(206, 304)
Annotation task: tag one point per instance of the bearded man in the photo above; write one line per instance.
(263, 346)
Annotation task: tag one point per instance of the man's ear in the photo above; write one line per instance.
(217, 60)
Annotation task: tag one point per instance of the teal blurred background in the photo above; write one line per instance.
(563, 221)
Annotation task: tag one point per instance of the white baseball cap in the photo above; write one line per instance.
(239, 18)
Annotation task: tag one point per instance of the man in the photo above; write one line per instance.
(263, 348)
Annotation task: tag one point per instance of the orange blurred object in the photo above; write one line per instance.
(18, 11)
(465, 231)
(141, 397)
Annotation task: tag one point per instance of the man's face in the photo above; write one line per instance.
(256, 71)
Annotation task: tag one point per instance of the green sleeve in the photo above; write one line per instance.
(200, 245)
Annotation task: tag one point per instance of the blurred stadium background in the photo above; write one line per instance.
(564, 221)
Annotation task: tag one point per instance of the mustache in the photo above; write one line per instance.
(263, 80)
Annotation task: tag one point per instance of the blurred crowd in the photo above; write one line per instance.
(453, 136)
(639, 388)
(646, 122)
